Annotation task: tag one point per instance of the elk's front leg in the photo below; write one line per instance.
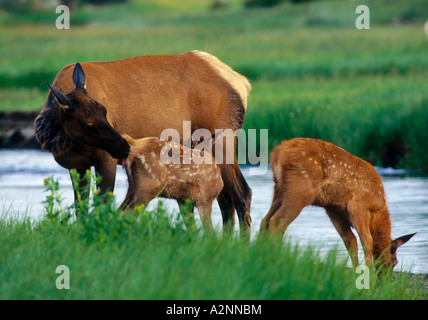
(204, 209)
(106, 168)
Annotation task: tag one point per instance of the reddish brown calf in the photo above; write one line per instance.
(315, 172)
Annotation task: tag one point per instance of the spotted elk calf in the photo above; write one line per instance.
(315, 172)
(149, 176)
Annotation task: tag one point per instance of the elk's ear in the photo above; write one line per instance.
(395, 244)
(62, 100)
(79, 78)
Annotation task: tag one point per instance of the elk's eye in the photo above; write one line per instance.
(90, 126)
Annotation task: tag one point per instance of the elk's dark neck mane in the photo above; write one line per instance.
(48, 129)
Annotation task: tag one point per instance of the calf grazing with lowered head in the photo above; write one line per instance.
(315, 172)
(149, 176)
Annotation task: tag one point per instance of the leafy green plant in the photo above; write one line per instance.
(54, 209)
(98, 218)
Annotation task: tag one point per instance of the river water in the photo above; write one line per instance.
(22, 193)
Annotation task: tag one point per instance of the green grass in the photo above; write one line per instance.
(312, 72)
(159, 260)
(151, 255)
(362, 114)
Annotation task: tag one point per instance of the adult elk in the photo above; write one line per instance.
(315, 172)
(141, 97)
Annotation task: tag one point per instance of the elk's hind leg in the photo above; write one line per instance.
(242, 198)
(286, 214)
(227, 208)
(235, 194)
(276, 204)
(294, 196)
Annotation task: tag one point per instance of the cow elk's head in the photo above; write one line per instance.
(84, 120)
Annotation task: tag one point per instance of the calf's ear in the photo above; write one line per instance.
(395, 244)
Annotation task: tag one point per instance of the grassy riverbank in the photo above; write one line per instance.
(155, 259)
(151, 255)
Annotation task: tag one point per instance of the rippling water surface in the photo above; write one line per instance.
(22, 193)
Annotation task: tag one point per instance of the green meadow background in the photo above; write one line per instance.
(312, 72)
